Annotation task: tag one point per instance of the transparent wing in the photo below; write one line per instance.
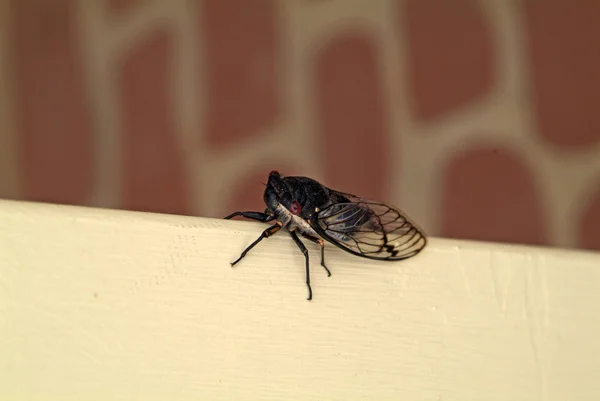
(369, 228)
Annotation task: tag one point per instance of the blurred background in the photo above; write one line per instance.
(476, 117)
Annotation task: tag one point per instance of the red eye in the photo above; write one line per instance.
(274, 172)
(295, 207)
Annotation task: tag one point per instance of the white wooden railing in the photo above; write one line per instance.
(104, 305)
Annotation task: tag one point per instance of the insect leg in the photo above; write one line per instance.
(265, 234)
(264, 217)
(305, 252)
(322, 245)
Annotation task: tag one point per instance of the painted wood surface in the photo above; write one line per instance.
(102, 304)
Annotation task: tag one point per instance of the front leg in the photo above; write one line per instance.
(264, 217)
(265, 234)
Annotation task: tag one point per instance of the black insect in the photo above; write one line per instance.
(360, 226)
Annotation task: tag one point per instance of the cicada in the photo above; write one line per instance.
(360, 226)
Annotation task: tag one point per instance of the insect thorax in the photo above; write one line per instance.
(292, 222)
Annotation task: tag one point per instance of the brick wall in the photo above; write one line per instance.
(474, 116)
